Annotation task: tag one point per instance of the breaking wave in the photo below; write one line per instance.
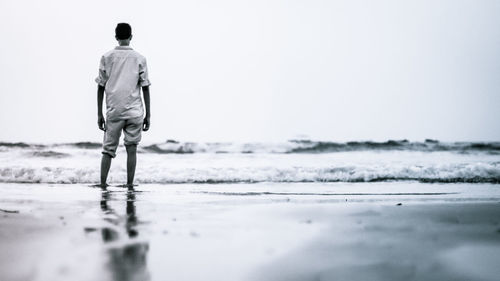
(292, 146)
(14, 144)
(451, 173)
(293, 161)
(307, 146)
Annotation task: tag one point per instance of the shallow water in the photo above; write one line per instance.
(258, 162)
(263, 231)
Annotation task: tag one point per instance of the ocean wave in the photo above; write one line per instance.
(83, 145)
(308, 146)
(451, 173)
(86, 145)
(292, 146)
(429, 145)
(49, 154)
(19, 145)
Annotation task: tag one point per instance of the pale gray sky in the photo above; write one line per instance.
(259, 70)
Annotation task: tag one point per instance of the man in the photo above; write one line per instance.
(122, 74)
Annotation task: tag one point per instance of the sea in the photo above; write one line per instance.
(291, 210)
(292, 161)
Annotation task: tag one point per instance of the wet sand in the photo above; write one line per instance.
(372, 231)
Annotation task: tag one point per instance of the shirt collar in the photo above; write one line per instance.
(123, 48)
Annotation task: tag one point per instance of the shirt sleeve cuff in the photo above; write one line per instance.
(145, 83)
(100, 81)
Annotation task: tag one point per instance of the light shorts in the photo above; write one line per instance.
(132, 129)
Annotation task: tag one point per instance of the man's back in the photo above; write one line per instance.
(123, 72)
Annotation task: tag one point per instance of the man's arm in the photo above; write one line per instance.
(100, 117)
(145, 92)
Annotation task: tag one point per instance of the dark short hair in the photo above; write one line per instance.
(123, 31)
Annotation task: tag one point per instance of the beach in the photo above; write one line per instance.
(263, 231)
(250, 141)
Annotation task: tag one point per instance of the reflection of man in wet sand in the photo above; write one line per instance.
(127, 260)
(122, 74)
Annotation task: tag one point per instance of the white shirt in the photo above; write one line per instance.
(123, 72)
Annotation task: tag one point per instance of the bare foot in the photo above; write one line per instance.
(100, 185)
(128, 185)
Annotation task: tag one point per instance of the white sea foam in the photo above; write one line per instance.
(80, 164)
(292, 146)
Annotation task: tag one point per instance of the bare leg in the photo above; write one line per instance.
(105, 164)
(131, 162)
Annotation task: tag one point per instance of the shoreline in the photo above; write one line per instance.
(250, 232)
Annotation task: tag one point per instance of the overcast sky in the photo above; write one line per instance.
(259, 70)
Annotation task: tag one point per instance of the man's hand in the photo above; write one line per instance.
(145, 124)
(101, 123)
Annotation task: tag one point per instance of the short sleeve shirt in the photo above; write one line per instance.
(123, 71)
